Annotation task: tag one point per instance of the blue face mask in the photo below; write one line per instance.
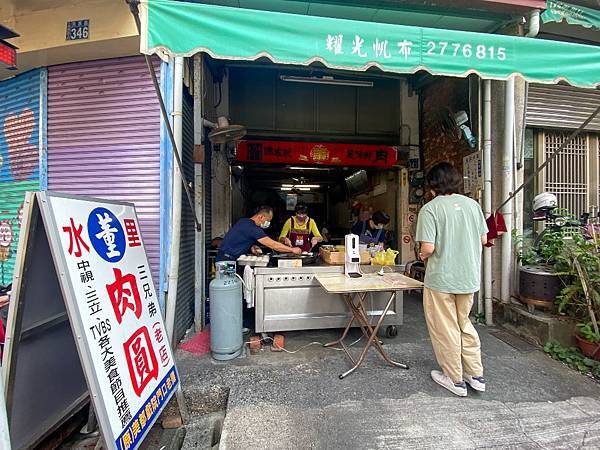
(266, 224)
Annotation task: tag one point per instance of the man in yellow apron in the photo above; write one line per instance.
(300, 230)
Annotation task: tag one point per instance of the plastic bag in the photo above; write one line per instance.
(390, 257)
(378, 259)
(385, 258)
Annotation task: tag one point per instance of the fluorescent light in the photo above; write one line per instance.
(300, 186)
(308, 168)
(286, 188)
(326, 80)
(303, 189)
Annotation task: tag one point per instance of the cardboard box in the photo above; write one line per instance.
(338, 258)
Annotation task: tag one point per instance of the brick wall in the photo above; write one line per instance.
(438, 142)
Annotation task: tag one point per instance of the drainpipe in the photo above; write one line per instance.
(487, 195)
(534, 28)
(176, 207)
(534, 23)
(507, 186)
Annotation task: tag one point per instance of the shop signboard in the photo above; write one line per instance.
(112, 308)
(111, 298)
(171, 27)
(472, 173)
(4, 435)
(316, 153)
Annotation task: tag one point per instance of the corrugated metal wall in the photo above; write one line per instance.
(104, 137)
(561, 106)
(21, 107)
(209, 112)
(184, 314)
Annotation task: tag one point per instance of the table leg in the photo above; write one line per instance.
(348, 299)
(375, 340)
(359, 313)
(362, 320)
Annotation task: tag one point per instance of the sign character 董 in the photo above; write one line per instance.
(106, 235)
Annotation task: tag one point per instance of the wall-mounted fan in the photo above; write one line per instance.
(224, 133)
(456, 124)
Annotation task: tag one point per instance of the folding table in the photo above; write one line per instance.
(354, 292)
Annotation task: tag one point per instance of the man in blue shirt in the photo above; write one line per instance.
(244, 235)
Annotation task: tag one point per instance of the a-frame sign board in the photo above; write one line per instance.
(84, 318)
(44, 381)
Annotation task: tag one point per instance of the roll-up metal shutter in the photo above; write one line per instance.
(184, 314)
(207, 227)
(104, 138)
(207, 177)
(21, 113)
(209, 111)
(561, 106)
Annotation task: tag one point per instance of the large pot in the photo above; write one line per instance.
(539, 286)
(589, 349)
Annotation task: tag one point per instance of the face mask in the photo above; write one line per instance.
(266, 224)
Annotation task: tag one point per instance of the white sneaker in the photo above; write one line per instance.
(444, 380)
(477, 383)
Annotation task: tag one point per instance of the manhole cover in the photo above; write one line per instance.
(514, 341)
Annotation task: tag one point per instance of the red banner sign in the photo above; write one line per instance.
(315, 153)
(8, 54)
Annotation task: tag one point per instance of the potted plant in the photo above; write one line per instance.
(540, 279)
(581, 297)
(588, 340)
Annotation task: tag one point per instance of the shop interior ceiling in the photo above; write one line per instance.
(273, 176)
(478, 16)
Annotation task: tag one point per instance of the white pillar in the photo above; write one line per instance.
(507, 186)
(487, 195)
(176, 201)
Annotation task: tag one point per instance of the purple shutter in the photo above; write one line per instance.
(104, 138)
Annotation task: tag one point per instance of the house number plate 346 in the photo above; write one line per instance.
(78, 29)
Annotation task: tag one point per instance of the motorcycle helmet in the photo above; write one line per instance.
(542, 204)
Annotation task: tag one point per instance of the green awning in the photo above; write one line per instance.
(573, 14)
(183, 29)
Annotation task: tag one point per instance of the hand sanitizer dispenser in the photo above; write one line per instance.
(352, 265)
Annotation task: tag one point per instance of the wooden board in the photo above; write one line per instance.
(371, 282)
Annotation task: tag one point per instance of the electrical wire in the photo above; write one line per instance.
(291, 352)
(268, 338)
(220, 96)
(215, 168)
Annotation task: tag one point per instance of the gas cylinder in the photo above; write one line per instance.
(225, 312)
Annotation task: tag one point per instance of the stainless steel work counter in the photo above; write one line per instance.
(289, 299)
